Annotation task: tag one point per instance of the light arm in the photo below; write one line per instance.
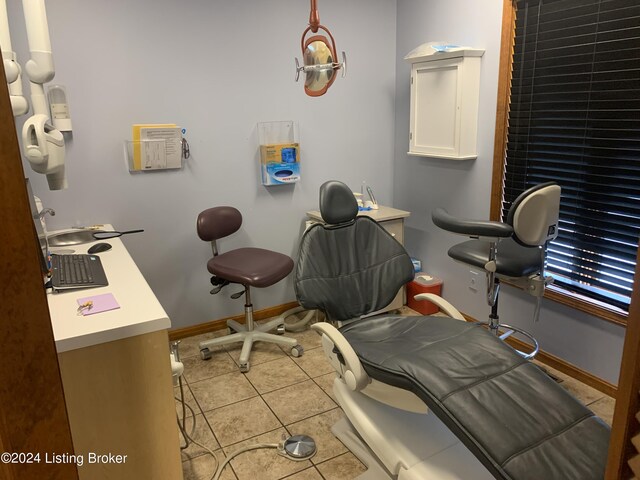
(12, 69)
(43, 144)
(39, 67)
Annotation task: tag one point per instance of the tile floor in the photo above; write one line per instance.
(280, 395)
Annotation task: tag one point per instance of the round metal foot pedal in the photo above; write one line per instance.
(300, 447)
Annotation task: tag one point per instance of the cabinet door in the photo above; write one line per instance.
(395, 228)
(435, 108)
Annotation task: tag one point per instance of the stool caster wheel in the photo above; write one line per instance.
(230, 331)
(280, 329)
(297, 351)
(244, 367)
(205, 354)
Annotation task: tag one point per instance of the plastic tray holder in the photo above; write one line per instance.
(148, 155)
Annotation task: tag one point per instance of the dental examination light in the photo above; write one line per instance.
(43, 144)
(318, 55)
(12, 69)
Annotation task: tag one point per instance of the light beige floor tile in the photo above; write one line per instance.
(314, 363)
(307, 474)
(319, 428)
(296, 402)
(201, 434)
(260, 353)
(190, 346)
(222, 390)
(264, 463)
(341, 468)
(276, 374)
(204, 466)
(604, 408)
(582, 392)
(196, 369)
(239, 421)
(309, 339)
(188, 398)
(325, 382)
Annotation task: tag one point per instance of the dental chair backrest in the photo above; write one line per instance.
(351, 266)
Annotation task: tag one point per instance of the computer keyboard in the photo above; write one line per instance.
(77, 271)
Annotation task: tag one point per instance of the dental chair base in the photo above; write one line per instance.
(394, 435)
(250, 332)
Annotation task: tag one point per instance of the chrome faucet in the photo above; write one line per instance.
(44, 211)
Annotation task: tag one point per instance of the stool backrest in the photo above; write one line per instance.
(218, 222)
(534, 215)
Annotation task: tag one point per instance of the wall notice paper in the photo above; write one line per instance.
(157, 147)
(97, 304)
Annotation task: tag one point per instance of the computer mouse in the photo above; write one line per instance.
(99, 247)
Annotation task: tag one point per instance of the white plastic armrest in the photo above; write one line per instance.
(445, 306)
(354, 375)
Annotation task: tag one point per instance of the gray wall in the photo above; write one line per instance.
(464, 188)
(216, 68)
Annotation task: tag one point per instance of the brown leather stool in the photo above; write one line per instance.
(249, 267)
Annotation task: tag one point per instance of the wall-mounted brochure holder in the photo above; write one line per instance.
(279, 152)
(154, 147)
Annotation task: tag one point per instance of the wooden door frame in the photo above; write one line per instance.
(33, 415)
(625, 427)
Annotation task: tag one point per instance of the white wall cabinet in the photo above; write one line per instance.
(445, 91)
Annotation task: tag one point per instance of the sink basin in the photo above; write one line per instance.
(74, 237)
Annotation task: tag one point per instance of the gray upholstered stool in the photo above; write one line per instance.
(513, 250)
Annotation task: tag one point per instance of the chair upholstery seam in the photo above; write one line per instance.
(548, 437)
(349, 274)
(486, 379)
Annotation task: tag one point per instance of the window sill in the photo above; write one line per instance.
(587, 305)
(584, 304)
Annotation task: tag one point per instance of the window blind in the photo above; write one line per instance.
(574, 118)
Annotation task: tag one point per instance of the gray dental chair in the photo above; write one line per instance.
(248, 267)
(430, 397)
(513, 250)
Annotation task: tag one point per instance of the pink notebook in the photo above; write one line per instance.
(101, 303)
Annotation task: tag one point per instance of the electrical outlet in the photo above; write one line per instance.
(474, 281)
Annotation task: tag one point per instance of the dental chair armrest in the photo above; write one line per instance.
(470, 228)
(353, 373)
(440, 302)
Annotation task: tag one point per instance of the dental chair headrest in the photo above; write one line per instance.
(337, 203)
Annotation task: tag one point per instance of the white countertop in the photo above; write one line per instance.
(139, 312)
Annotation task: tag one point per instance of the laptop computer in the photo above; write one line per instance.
(66, 272)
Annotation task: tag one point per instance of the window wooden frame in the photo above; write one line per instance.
(556, 294)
